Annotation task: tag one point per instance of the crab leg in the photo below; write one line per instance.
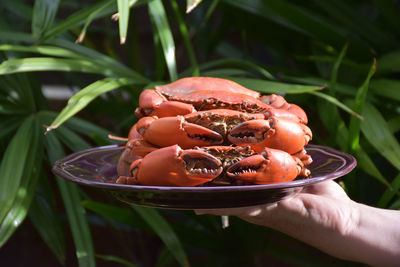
(172, 166)
(283, 134)
(175, 130)
(270, 166)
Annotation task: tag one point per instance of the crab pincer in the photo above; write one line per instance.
(280, 106)
(153, 103)
(168, 131)
(277, 133)
(172, 166)
(269, 166)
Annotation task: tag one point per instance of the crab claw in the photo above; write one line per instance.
(270, 166)
(284, 114)
(282, 134)
(175, 130)
(152, 103)
(134, 149)
(279, 102)
(172, 166)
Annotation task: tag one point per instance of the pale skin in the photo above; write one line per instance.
(323, 216)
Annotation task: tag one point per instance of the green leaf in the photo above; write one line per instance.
(17, 162)
(394, 124)
(359, 25)
(388, 88)
(238, 63)
(390, 193)
(365, 162)
(395, 205)
(71, 139)
(123, 215)
(159, 18)
(123, 10)
(41, 49)
(164, 231)
(63, 48)
(185, 35)
(298, 19)
(44, 217)
(19, 199)
(9, 124)
(359, 102)
(81, 99)
(93, 15)
(58, 64)
(389, 63)
(14, 36)
(84, 127)
(115, 259)
(274, 87)
(332, 111)
(191, 4)
(376, 130)
(44, 12)
(75, 212)
(77, 18)
(336, 102)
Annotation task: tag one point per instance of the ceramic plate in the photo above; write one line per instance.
(97, 167)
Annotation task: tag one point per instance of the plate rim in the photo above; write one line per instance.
(58, 170)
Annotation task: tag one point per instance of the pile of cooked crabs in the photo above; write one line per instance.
(203, 131)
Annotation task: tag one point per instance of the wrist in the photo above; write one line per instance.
(375, 238)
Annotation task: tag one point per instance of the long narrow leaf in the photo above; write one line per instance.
(390, 193)
(159, 18)
(366, 163)
(41, 49)
(14, 36)
(236, 63)
(394, 124)
(191, 4)
(354, 128)
(69, 50)
(123, 10)
(274, 87)
(50, 64)
(164, 231)
(77, 18)
(80, 126)
(75, 212)
(299, 19)
(185, 34)
(375, 129)
(388, 88)
(119, 214)
(44, 217)
(332, 109)
(360, 25)
(337, 103)
(21, 197)
(17, 160)
(44, 12)
(85, 96)
(389, 63)
(115, 259)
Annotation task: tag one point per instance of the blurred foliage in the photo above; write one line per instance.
(339, 60)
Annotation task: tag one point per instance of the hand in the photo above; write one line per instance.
(323, 216)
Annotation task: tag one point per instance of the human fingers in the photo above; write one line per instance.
(239, 212)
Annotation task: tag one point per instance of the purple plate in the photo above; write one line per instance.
(97, 167)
